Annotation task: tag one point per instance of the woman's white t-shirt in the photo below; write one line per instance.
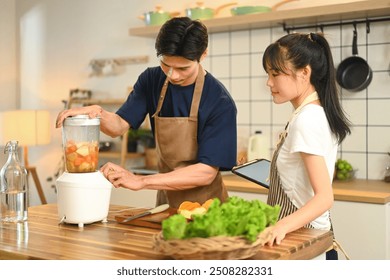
(308, 132)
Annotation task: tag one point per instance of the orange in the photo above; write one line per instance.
(188, 205)
(70, 149)
(78, 161)
(207, 203)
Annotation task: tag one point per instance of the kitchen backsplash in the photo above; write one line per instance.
(235, 58)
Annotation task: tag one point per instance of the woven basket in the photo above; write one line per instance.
(212, 248)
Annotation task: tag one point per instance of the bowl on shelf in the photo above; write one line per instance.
(343, 175)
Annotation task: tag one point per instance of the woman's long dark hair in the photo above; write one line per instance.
(311, 49)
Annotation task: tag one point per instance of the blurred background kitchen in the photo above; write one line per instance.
(49, 47)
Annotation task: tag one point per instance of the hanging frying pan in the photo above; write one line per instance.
(354, 73)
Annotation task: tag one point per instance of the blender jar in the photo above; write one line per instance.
(80, 140)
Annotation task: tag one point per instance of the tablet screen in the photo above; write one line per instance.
(256, 171)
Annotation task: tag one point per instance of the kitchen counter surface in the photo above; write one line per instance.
(357, 190)
(43, 238)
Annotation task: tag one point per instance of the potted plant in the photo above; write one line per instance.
(140, 136)
(145, 138)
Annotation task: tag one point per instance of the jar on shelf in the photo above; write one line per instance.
(387, 174)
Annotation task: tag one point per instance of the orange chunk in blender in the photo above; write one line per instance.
(81, 157)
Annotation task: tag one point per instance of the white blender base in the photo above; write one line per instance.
(83, 198)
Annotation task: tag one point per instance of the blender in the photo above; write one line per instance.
(83, 193)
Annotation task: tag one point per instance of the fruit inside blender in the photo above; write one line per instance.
(81, 144)
(81, 157)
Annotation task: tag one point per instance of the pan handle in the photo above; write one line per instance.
(354, 42)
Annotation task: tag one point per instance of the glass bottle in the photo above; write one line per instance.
(13, 187)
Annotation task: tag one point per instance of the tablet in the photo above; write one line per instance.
(257, 171)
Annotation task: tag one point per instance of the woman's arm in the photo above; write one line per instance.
(321, 201)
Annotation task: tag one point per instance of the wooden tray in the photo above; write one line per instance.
(150, 221)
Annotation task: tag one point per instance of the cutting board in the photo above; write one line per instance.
(150, 221)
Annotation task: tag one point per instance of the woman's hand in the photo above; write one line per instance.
(278, 234)
(92, 111)
(120, 177)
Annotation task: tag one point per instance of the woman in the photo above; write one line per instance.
(300, 70)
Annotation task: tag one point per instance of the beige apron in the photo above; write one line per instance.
(276, 194)
(177, 147)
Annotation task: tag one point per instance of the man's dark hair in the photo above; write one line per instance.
(181, 36)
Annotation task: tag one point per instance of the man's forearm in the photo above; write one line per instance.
(112, 124)
(183, 178)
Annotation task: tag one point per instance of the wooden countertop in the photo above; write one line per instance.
(42, 238)
(357, 190)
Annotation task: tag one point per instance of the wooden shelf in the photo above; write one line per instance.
(118, 155)
(94, 101)
(301, 16)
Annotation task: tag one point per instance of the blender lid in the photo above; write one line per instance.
(79, 120)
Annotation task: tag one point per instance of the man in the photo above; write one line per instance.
(192, 116)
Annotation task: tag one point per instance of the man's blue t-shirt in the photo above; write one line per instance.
(217, 124)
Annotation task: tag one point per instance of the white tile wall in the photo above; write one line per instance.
(375, 139)
(241, 88)
(220, 66)
(240, 65)
(357, 140)
(379, 81)
(256, 65)
(243, 116)
(356, 111)
(240, 42)
(220, 43)
(235, 58)
(260, 39)
(259, 89)
(379, 113)
(260, 112)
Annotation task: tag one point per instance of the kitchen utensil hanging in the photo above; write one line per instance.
(353, 73)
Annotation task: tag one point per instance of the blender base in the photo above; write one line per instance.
(80, 225)
(83, 198)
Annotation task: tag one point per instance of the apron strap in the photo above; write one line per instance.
(197, 93)
(195, 99)
(162, 97)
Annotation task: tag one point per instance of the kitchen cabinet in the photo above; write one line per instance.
(363, 229)
(122, 155)
(295, 17)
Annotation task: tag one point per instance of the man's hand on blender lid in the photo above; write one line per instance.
(93, 111)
